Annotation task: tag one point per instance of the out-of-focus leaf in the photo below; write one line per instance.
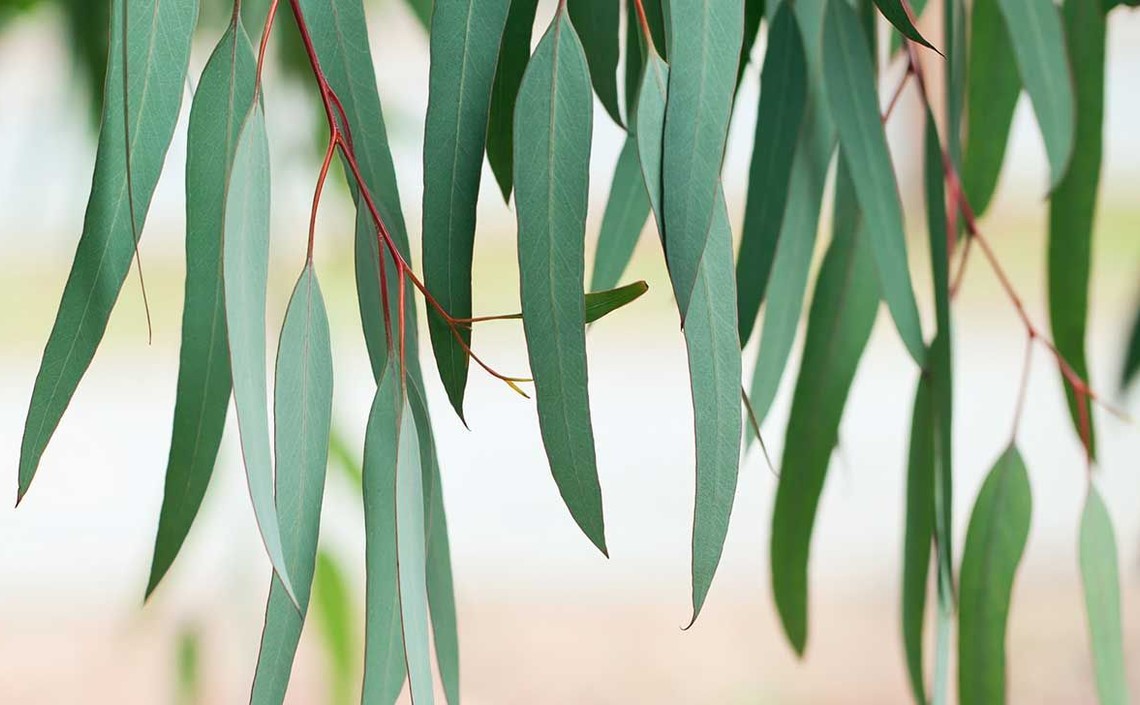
(714, 372)
(1132, 355)
(384, 669)
(1038, 41)
(332, 604)
(220, 104)
(1072, 208)
(919, 534)
(850, 80)
(302, 416)
(514, 54)
(704, 51)
(1102, 600)
(753, 15)
(553, 133)
(839, 324)
(343, 458)
(992, 89)
(188, 685)
(245, 260)
(624, 219)
(154, 74)
(465, 37)
(422, 9)
(87, 25)
(598, 25)
(783, 99)
(995, 541)
(896, 37)
(895, 12)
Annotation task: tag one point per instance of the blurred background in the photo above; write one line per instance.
(543, 617)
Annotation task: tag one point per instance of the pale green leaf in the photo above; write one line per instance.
(411, 558)
(1101, 581)
(332, 603)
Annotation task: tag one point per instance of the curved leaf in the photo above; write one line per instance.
(465, 38)
(919, 534)
(514, 54)
(1101, 581)
(302, 417)
(1072, 208)
(783, 98)
(704, 51)
(896, 14)
(849, 77)
(625, 216)
(411, 558)
(1131, 365)
(753, 16)
(995, 541)
(598, 25)
(552, 153)
(154, 73)
(245, 259)
(1038, 41)
(600, 304)
(220, 104)
(651, 101)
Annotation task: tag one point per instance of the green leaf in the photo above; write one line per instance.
(440, 588)
(714, 372)
(896, 37)
(245, 268)
(651, 102)
(332, 604)
(552, 170)
(514, 54)
(154, 75)
(895, 12)
(992, 89)
(625, 216)
(1072, 208)
(919, 533)
(220, 104)
(189, 681)
(753, 16)
(384, 669)
(1102, 600)
(598, 22)
(422, 9)
(600, 304)
(302, 416)
(995, 541)
(1039, 47)
(839, 325)
(850, 80)
(783, 99)
(1131, 365)
(465, 38)
(704, 52)
(635, 55)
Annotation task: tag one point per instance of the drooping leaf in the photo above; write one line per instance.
(302, 416)
(992, 89)
(153, 74)
(422, 9)
(1131, 365)
(651, 100)
(1038, 41)
(849, 77)
(465, 37)
(919, 535)
(598, 25)
(1072, 207)
(895, 12)
(600, 304)
(245, 265)
(714, 372)
(753, 16)
(635, 54)
(783, 98)
(704, 51)
(995, 541)
(514, 54)
(896, 39)
(624, 218)
(220, 104)
(1101, 581)
(839, 325)
(553, 132)
(332, 603)
(954, 45)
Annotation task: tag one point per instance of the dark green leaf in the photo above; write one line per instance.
(332, 603)
(1102, 600)
(704, 52)
(600, 304)
(513, 57)
(598, 23)
(850, 80)
(992, 89)
(895, 12)
(552, 170)
(220, 104)
(995, 540)
(154, 73)
(919, 533)
(753, 15)
(302, 416)
(1073, 204)
(465, 38)
(839, 325)
(625, 216)
(422, 9)
(246, 269)
(1132, 355)
(896, 37)
(1039, 47)
(635, 54)
(783, 98)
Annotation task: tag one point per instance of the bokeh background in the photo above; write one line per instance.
(543, 618)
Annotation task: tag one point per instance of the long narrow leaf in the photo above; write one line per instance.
(896, 14)
(1131, 366)
(919, 534)
(651, 101)
(411, 558)
(514, 54)
(753, 16)
(1099, 575)
(623, 221)
(333, 610)
(598, 25)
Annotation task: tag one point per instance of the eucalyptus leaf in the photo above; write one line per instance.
(753, 16)
(514, 54)
(598, 25)
(1131, 366)
(651, 101)
(919, 534)
(896, 14)
(1099, 574)
(623, 221)
(332, 603)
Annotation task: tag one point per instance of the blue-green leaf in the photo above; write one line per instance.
(896, 14)
(514, 54)
(553, 132)
(625, 216)
(651, 101)
(302, 416)
(598, 25)
(1099, 574)
(220, 103)
(157, 52)
(995, 541)
(850, 80)
(422, 9)
(411, 557)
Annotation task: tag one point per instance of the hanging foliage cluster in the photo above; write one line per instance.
(531, 114)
